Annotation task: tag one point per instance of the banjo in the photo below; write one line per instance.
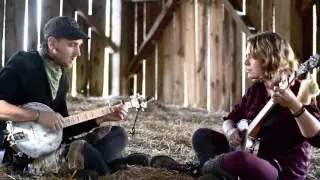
(249, 132)
(34, 140)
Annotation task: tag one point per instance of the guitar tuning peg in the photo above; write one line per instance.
(142, 109)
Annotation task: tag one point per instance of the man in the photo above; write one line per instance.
(39, 76)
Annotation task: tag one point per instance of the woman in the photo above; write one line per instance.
(290, 128)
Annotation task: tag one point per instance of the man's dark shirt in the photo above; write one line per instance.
(283, 139)
(24, 80)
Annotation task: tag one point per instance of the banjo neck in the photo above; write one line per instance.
(253, 126)
(90, 115)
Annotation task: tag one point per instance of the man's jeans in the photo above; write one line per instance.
(97, 156)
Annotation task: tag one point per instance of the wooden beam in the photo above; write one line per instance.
(236, 17)
(94, 26)
(237, 4)
(156, 30)
(304, 6)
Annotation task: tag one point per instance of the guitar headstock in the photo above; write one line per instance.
(139, 101)
(309, 65)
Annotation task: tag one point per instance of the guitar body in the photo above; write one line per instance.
(32, 138)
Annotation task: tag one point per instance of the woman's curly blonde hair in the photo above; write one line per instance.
(275, 52)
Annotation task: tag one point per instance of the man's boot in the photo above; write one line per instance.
(138, 159)
(163, 161)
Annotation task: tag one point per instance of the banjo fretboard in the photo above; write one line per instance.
(92, 114)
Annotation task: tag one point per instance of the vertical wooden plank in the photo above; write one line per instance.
(318, 26)
(167, 86)
(97, 50)
(216, 53)
(68, 10)
(237, 64)
(139, 80)
(32, 25)
(177, 62)
(82, 62)
(1, 29)
(201, 79)
(188, 18)
(226, 63)
(288, 24)
(116, 38)
(14, 27)
(127, 40)
(307, 36)
(150, 74)
(318, 42)
(253, 11)
(160, 64)
(49, 10)
(140, 25)
(267, 24)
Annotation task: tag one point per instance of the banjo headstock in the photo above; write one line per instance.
(306, 67)
(309, 65)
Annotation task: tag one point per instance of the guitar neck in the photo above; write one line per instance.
(90, 115)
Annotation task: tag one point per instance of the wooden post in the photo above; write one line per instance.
(97, 50)
(32, 25)
(201, 49)
(216, 53)
(14, 27)
(126, 51)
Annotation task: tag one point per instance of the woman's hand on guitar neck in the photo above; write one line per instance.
(51, 120)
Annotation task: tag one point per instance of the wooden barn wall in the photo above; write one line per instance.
(192, 52)
(199, 54)
(89, 67)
